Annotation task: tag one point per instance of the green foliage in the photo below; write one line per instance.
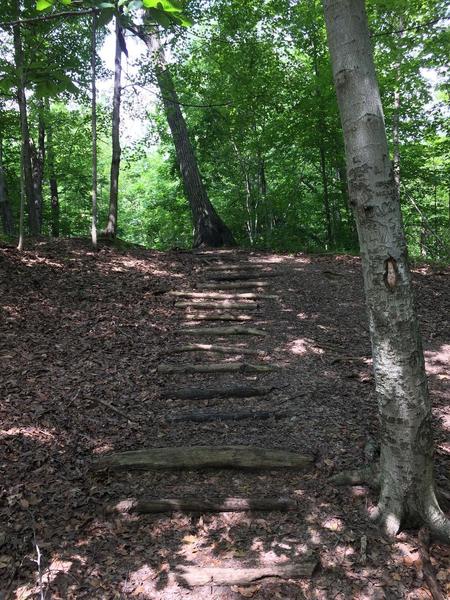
(255, 85)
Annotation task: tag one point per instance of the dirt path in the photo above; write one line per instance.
(81, 332)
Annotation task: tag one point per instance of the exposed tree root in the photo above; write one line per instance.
(427, 567)
(391, 518)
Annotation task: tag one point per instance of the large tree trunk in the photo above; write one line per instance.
(406, 465)
(5, 207)
(33, 208)
(111, 227)
(209, 229)
(54, 201)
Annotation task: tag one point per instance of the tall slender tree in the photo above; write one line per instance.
(111, 226)
(5, 206)
(209, 229)
(94, 128)
(406, 465)
(33, 208)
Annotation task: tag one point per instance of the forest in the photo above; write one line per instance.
(224, 299)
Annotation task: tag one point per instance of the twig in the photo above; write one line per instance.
(427, 567)
(114, 409)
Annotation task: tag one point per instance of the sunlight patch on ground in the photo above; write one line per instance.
(43, 435)
(303, 346)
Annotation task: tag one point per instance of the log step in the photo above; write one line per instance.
(224, 304)
(199, 505)
(204, 457)
(241, 275)
(214, 348)
(222, 295)
(208, 416)
(235, 367)
(223, 331)
(199, 576)
(233, 285)
(218, 317)
(235, 391)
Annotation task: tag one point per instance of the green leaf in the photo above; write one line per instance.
(105, 17)
(135, 5)
(66, 2)
(43, 4)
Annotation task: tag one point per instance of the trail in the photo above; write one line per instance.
(82, 332)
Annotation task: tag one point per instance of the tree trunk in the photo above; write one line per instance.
(406, 465)
(54, 202)
(37, 163)
(5, 207)
(33, 209)
(111, 227)
(209, 229)
(94, 130)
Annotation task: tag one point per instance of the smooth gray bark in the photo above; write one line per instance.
(406, 467)
(209, 229)
(111, 227)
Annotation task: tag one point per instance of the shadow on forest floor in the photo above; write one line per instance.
(80, 331)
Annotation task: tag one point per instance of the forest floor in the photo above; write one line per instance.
(81, 330)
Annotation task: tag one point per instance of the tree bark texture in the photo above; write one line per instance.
(200, 505)
(5, 206)
(37, 163)
(209, 229)
(33, 208)
(94, 129)
(406, 467)
(205, 457)
(54, 200)
(111, 226)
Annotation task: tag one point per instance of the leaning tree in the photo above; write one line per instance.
(407, 487)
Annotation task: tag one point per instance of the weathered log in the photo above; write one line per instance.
(236, 391)
(200, 505)
(236, 330)
(218, 317)
(235, 367)
(232, 285)
(208, 416)
(198, 576)
(241, 275)
(214, 348)
(223, 295)
(204, 457)
(223, 304)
